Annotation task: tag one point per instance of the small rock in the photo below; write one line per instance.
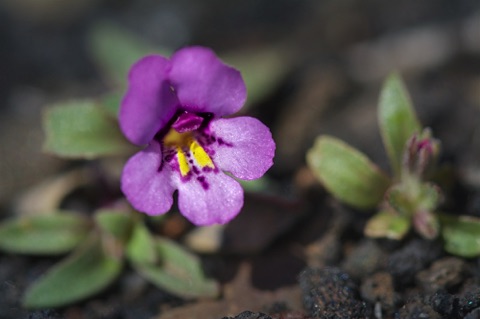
(445, 273)
(475, 314)
(379, 288)
(365, 259)
(470, 299)
(404, 264)
(416, 309)
(444, 303)
(330, 293)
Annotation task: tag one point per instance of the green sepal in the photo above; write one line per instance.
(397, 120)
(82, 129)
(141, 248)
(347, 173)
(43, 235)
(387, 224)
(178, 272)
(88, 271)
(118, 224)
(461, 235)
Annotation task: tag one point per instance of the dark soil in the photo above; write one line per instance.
(295, 253)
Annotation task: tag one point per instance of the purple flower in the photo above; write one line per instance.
(175, 107)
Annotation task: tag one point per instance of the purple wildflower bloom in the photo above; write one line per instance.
(175, 107)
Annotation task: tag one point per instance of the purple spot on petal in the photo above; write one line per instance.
(203, 182)
(221, 142)
(195, 169)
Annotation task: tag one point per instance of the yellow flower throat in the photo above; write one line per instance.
(187, 149)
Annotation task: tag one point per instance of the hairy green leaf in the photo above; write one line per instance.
(461, 235)
(81, 129)
(179, 272)
(86, 272)
(43, 235)
(347, 173)
(397, 119)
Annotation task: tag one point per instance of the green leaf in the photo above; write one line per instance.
(461, 235)
(119, 224)
(397, 119)
(43, 235)
(387, 224)
(86, 272)
(347, 173)
(179, 272)
(141, 247)
(116, 49)
(81, 129)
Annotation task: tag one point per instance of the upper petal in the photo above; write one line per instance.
(149, 102)
(147, 188)
(216, 203)
(203, 83)
(249, 149)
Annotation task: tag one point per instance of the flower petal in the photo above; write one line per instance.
(146, 188)
(149, 102)
(217, 203)
(249, 148)
(203, 83)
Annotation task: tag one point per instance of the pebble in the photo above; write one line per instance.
(365, 259)
(379, 288)
(330, 293)
(416, 309)
(406, 262)
(445, 273)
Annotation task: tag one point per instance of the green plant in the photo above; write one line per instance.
(406, 199)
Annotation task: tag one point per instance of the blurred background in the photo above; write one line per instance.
(311, 66)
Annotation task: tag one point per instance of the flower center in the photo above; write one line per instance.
(180, 140)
